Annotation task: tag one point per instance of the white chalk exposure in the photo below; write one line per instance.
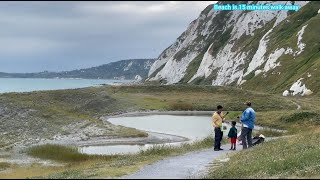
(308, 92)
(164, 57)
(258, 58)
(174, 70)
(242, 81)
(289, 51)
(286, 93)
(227, 62)
(272, 59)
(246, 23)
(257, 72)
(233, 19)
(204, 68)
(229, 71)
(128, 66)
(147, 64)
(212, 14)
(138, 78)
(252, 20)
(180, 43)
(298, 88)
(301, 45)
(280, 17)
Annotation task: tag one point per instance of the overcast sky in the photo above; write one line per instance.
(57, 36)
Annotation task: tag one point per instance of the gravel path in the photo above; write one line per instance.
(298, 105)
(191, 165)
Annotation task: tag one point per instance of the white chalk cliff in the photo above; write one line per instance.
(233, 47)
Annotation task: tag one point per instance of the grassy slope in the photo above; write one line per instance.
(200, 97)
(294, 157)
(293, 68)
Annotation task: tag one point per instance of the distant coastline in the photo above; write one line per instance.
(120, 70)
(21, 85)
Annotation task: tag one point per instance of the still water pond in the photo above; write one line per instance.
(191, 127)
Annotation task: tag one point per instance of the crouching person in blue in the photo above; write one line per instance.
(247, 119)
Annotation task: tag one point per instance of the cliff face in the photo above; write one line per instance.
(250, 49)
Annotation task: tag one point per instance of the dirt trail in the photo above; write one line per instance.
(191, 165)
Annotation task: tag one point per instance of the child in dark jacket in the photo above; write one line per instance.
(233, 132)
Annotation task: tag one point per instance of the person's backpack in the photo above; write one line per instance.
(258, 140)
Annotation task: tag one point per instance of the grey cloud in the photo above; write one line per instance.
(67, 35)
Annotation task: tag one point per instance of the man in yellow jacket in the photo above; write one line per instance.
(217, 120)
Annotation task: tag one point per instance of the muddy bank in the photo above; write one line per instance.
(18, 155)
(153, 138)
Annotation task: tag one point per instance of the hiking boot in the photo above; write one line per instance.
(216, 149)
(220, 149)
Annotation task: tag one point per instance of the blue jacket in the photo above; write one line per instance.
(248, 117)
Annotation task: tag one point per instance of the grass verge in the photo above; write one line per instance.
(4, 165)
(98, 166)
(62, 153)
(294, 157)
(290, 157)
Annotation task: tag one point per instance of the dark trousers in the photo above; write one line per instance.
(246, 135)
(217, 138)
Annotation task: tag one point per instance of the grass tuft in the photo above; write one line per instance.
(4, 165)
(62, 153)
(181, 106)
(301, 116)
